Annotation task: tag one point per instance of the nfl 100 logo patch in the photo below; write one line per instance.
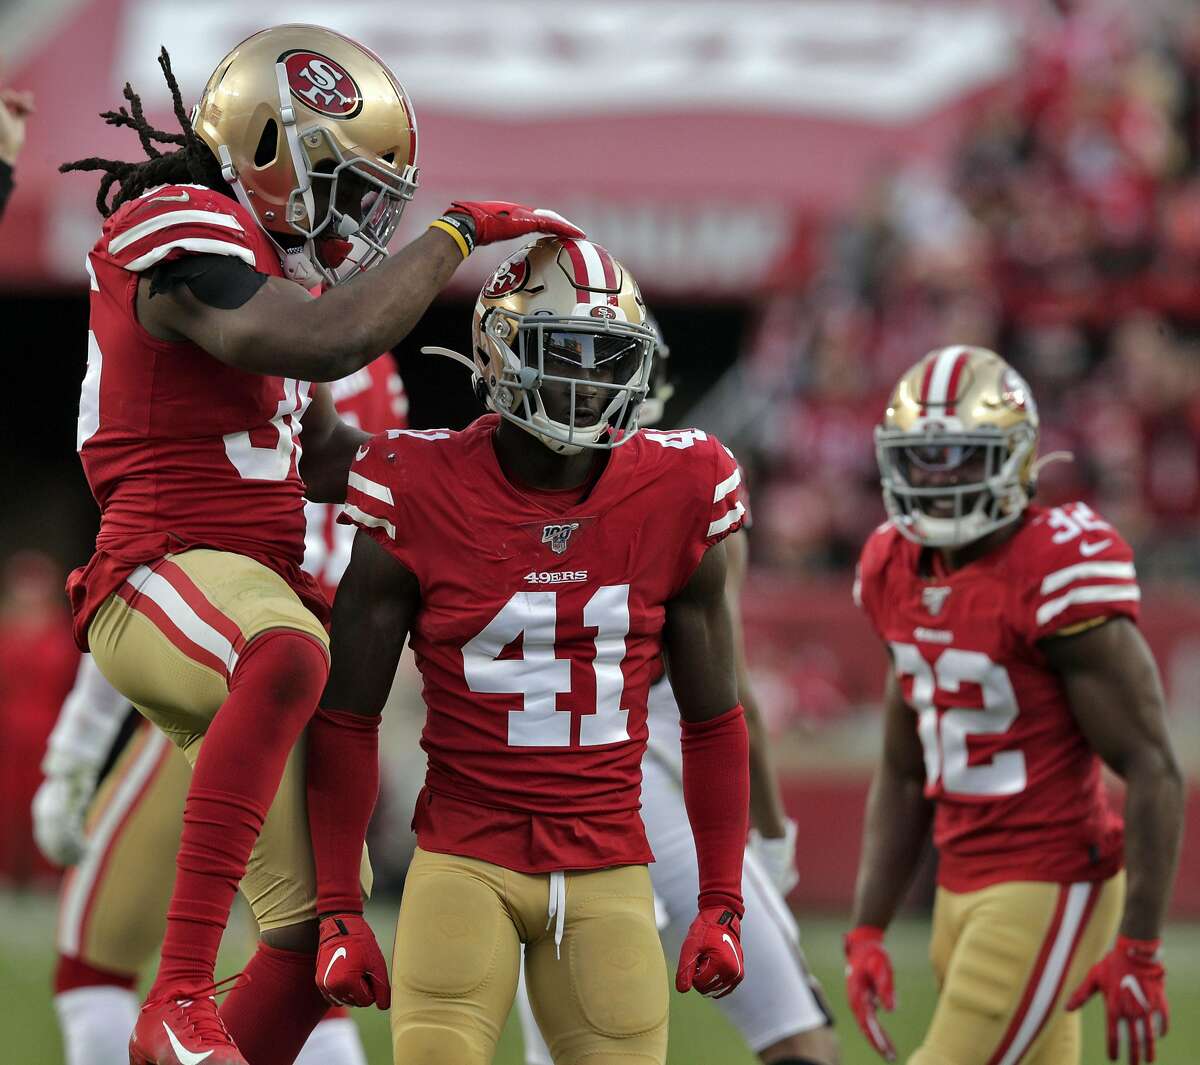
(933, 599)
(558, 535)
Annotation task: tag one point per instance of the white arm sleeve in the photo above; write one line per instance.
(88, 723)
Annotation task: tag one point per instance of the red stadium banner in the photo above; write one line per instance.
(698, 145)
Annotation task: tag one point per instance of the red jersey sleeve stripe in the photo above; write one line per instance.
(370, 488)
(169, 219)
(1052, 582)
(728, 485)
(720, 525)
(1091, 593)
(368, 521)
(199, 245)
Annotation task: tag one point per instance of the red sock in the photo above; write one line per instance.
(275, 689)
(343, 783)
(272, 1016)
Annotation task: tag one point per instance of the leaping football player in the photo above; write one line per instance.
(119, 841)
(541, 561)
(1017, 669)
(780, 1010)
(203, 343)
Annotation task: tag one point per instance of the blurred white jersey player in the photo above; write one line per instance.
(779, 1008)
(120, 839)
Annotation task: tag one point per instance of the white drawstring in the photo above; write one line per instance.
(557, 909)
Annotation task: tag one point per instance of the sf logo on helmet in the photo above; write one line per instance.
(558, 536)
(510, 277)
(322, 84)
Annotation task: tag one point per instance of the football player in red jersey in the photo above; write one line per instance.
(541, 561)
(120, 840)
(1017, 669)
(203, 343)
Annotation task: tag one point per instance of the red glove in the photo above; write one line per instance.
(492, 220)
(711, 957)
(350, 968)
(869, 984)
(1131, 979)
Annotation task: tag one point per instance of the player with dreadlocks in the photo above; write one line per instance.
(203, 345)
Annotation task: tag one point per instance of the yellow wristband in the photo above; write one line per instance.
(446, 227)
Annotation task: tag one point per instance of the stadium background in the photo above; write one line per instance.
(812, 194)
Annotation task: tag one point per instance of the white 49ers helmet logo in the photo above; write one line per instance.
(510, 277)
(322, 84)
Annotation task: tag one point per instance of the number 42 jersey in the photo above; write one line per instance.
(1018, 790)
(539, 630)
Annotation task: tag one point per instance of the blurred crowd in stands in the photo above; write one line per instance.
(1065, 233)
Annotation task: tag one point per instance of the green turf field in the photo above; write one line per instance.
(699, 1035)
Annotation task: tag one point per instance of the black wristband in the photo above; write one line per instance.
(464, 224)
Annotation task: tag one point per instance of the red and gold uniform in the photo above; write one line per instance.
(179, 448)
(538, 638)
(1030, 882)
(111, 912)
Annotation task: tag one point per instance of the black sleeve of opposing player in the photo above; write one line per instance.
(6, 184)
(219, 281)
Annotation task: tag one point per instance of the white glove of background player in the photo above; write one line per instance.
(60, 808)
(778, 856)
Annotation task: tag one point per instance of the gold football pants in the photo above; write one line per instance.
(1006, 958)
(169, 640)
(600, 997)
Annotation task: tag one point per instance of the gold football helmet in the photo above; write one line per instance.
(318, 140)
(957, 448)
(560, 345)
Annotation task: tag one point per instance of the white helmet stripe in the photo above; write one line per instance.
(939, 380)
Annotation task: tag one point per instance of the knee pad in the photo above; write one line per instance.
(616, 976)
(448, 936)
(420, 1043)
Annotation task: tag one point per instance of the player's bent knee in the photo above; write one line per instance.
(617, 976)
(293, 665)
(448, 937)
(432, 1044)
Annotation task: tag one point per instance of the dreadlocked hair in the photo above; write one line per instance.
(191, 162)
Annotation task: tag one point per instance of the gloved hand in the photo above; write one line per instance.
(485, 222)
(869, 984)
(60, 809)
(777, 854)
(1131, 978)
(350, 967)
(711, 957)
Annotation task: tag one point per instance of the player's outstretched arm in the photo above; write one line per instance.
(897, 822)
(1115, 693)
(329, 447)
(271, 326)
(374, 609)
(698, 637)
(772, 833)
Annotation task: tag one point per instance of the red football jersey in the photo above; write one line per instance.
(179, 449)
(1018, 791)
(539, 631)
(371, 399)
